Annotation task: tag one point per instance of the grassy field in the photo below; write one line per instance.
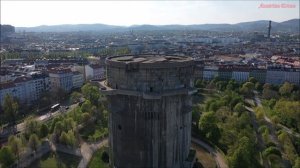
(58, 160)
(96, 161)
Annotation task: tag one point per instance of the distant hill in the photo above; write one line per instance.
(7, 29)
(261, 25)
(69, 28)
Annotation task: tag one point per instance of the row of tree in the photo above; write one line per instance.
(225, 122)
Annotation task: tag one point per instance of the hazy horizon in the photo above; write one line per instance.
(128, 13)
(143, 24)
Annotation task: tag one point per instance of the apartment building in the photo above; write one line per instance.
(225, 72)
(27, 89)
(77, 80)
(240, 74)
(210, 72)
(279, 75)
(61, 78)
(258, 74)
(94, 71)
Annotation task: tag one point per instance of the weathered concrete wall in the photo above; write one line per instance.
(150, 132)
(145, 79)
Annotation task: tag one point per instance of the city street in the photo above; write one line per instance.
(43, 118)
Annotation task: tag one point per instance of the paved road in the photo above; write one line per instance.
(87, 151)
(21, 127)
(221, 162)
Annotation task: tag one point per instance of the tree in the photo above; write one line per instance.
(32, 126)
(58, 128)
(232, 85)
(221, 85)
(235, 100)
(289, 113)
(286, 89)
(71, 137)
(244, 154)
(213, 106)
(258, 86)
(52, 126)
(6, 157)
(10, 108)
(269, 93)
(252, 80)
(75, 97)
(199, 84)
(236, 161)
(44, 131)
(271, 151)
(69, 124)
(15, 145)
(34, 142)
(86, 106)
(239, 107)
(63, 139)
(247, 88)
(85, 117)
(267, 86)
(208, 126)
(297, 163)
(295, 95)
(91, 93)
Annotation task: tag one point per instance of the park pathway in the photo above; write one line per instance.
(220, 160)
(87, 151)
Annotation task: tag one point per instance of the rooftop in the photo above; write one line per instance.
(149, 58)
(150, 61)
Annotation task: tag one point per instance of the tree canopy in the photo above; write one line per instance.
(10, 107)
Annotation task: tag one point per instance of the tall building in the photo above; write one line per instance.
(150, 110)
(61, 79)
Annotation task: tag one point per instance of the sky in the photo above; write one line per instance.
(125, 13)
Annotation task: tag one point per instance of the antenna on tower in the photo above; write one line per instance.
(269, 29)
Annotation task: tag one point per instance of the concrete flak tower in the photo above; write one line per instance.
(150, 110)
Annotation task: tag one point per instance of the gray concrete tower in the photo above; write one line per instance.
(150, 110)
